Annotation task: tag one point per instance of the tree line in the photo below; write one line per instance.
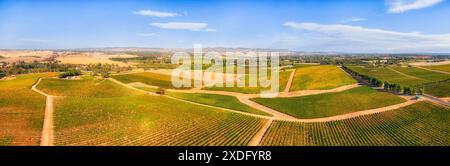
(21, 67)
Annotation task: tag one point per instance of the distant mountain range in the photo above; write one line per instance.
(222, 50)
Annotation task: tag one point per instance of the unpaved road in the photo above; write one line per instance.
(265, 109)
(47, 135)
(314, 92)
(436, 100)
(358, 113)
(260, 135)
(289, 83)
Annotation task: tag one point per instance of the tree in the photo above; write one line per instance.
(160, 91)
(69, 73)
(386, 85)
(2, 74)
(420, 91)
(398, 88)
(104, 74)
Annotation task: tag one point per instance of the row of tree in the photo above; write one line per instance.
(22, 67)
(70, 73)
(392, 87)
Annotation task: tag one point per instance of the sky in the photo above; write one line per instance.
(357, 26)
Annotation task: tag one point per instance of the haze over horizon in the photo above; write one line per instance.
(372, 26)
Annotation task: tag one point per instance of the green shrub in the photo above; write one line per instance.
(69, 73)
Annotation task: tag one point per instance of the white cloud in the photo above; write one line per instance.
(152, 13)
(146, 34)
(400, 6)
(356, 38)
(192, 26)
(353, 20)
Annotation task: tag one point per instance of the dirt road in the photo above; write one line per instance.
(289, 83)
(260, 135)
(314, 92)
(47, 135)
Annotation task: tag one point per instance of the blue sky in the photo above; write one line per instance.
(308, 25)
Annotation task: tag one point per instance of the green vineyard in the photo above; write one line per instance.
(419, 124)
(148, 120)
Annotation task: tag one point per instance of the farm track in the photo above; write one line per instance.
(289, 83)
(358, 113)
(260, 135)
(47, 137)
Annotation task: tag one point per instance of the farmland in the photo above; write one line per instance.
(154, 79)
(385, 74)
(283, 79)
(229, 102)
(438, 89)
(319, 78)
(126, 117)
(445, 68)
(407, 76)
(415, 125)
(21, 111)
(331, 104)
(422, 73)
(87, 87)
(433, 82)
(148, 120)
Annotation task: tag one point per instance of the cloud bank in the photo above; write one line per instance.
(354, 38)
(151, 13)
(400, 6)
(192, 26)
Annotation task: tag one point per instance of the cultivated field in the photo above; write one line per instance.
(445, 68)
(148, 120)
(319, 78)
(331, 104)
(125, 117)
(418, 124)
(439, 89)
(409, 76)
(386, 74)
(154, 79)
(88, 87)
(283, 79)
(21, 110)
(422, 73)
(224, 101)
